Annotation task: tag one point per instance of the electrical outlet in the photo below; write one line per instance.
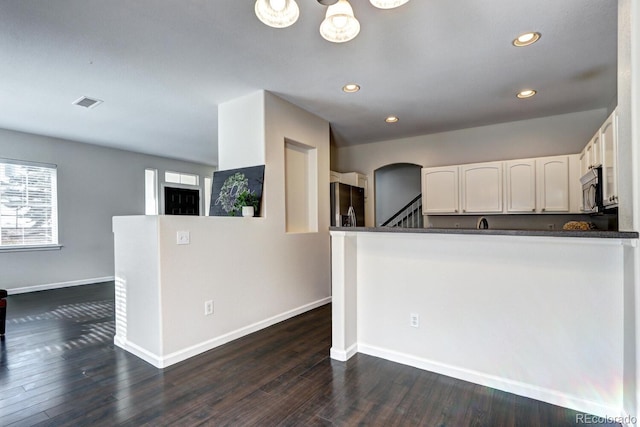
(183, 238)
(415, 320)
(550, 227)
(208, 307)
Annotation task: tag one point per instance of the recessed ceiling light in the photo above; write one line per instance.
(527, 93)
(350, 88)
(392, 119)
(526, 39)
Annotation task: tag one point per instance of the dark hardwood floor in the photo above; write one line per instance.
(59, 367)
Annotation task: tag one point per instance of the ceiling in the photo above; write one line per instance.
(162, 67)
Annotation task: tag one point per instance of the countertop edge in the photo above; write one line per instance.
(597, 234)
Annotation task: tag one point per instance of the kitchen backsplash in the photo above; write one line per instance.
(521, 222)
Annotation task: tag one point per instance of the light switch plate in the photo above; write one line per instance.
(183, 238)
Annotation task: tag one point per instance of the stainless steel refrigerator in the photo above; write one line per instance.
(347, 205)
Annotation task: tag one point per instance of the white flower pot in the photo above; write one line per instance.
(248, 211)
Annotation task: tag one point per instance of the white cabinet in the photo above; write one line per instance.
(591, 155)
(609, 140)
(552, 181)
(481, 187)
(440, 190)
(351, 178)
(520, 183)
(584, 160)
(540, 185)
(596, 150)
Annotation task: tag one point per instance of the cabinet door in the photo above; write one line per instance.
(552, 176)
(440, 190)
(521, 186)
(609, 140)
(585, 164)
(596, 151)
(481, 187)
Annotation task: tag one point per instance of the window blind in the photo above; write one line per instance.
(28, 204)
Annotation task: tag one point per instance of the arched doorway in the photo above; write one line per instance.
(396, 185)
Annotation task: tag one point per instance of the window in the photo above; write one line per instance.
(151, 192)
(181, 178)
(28, 204)
(207, 195)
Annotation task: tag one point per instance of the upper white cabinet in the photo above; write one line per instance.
(609, 140)
(552, 175)
(602, 150)
(481, 187)
(440, 190)
(540, 185)
(520, 179)
(351, 178)
(591, 155)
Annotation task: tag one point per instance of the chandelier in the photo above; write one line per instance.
(339, 26)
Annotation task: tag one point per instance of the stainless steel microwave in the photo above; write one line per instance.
(592, 191)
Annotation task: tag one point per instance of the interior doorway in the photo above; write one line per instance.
(181, 201)
(396, 185)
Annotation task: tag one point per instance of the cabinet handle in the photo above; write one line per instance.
(533, 210)
(590, 167)
(464, 210)
(456, 211)
(544, 209)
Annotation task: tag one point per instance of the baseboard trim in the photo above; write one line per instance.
(527, 390)
(186, 353)
(343, 355)
(59, 285)
(138, 351)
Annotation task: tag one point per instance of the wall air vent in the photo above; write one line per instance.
(87, 102)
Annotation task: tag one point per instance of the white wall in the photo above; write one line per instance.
(94, 184)
(547, 136)
(241, 138)
(629, 187)
(539, 317)
(255, 272)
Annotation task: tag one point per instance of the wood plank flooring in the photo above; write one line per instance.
(58, 367)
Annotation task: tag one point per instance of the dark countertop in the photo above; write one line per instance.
(598, 234)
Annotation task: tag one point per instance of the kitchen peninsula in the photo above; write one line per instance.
(536, 313)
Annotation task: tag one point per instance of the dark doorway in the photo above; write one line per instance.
(181, 201)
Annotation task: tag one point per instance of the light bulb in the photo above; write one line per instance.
(339, 25)
(387, 4)
(277, 13)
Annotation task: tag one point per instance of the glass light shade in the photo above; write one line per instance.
(339, 25)
(387, 4)
(277, 13)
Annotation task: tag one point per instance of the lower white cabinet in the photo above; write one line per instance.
(440, 190)
(481, 187)
(552, 176)
(520, 180)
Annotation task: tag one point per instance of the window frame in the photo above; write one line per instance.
(53, 206)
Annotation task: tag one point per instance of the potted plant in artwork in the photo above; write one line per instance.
(247, 202)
